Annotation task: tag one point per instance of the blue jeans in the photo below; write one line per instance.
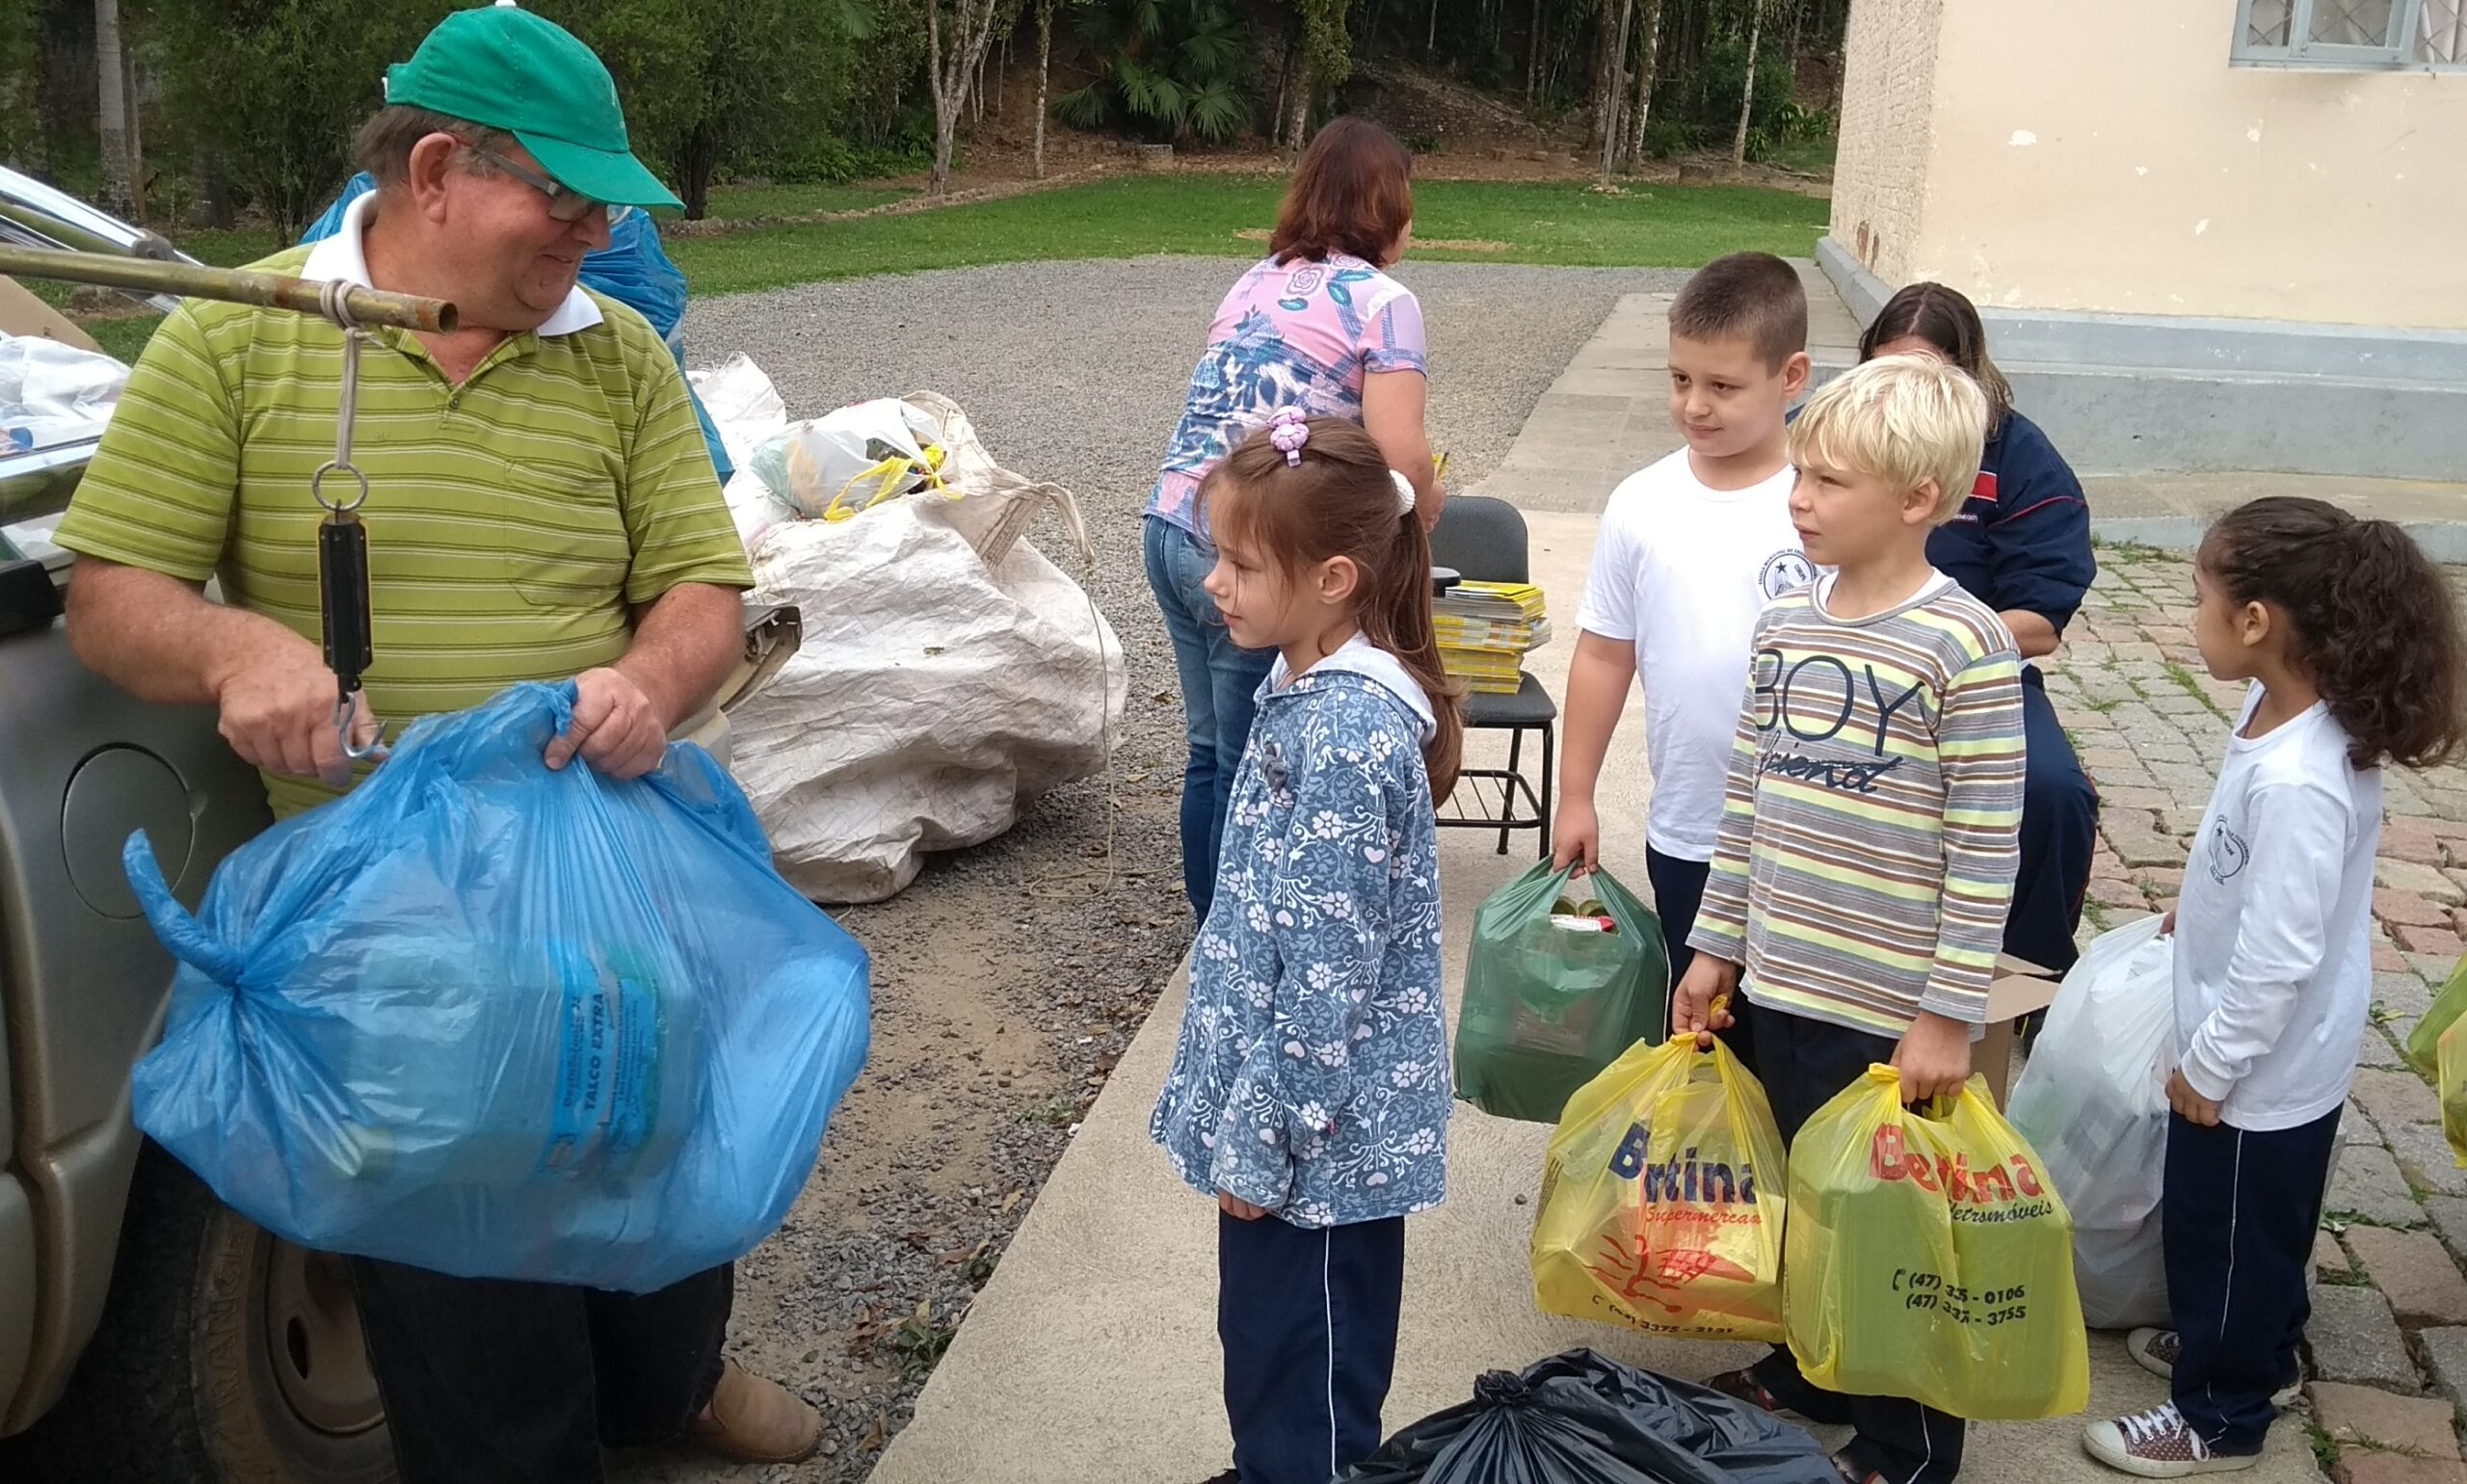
(1220, 693)
(2059, 834)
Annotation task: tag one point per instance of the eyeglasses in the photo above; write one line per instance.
(564, 203)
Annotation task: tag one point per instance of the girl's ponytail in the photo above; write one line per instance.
(2376, 625)
(1398, 617)
(2397, 666)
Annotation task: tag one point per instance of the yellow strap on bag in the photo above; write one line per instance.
(889, 478)
(1928, 1259)
(1662, 1199)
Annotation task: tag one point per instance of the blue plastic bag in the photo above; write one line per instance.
(499, 1022)
(632, 269)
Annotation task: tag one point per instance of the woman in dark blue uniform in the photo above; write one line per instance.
(2021, 546)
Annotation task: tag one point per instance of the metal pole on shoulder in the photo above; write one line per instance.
(268, 290)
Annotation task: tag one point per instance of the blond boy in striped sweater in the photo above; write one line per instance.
(1870, 825)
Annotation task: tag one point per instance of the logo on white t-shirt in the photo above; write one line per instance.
(2228, 852)
(1783, 571)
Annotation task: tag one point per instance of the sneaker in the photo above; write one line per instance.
(758, 1422)
(1854, 1472)
(2155, 1350)
(2158, 1445)
(1741, 1385)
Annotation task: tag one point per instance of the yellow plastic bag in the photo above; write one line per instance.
(2423, 1043)
(2449, 1068)
(1662, 1199)
(1928, 1259)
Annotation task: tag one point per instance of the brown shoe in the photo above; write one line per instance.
(758, 1422)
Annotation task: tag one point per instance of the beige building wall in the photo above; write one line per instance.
(1887, 98)
(2103, 155)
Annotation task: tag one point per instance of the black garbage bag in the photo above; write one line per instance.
(1585, 1418)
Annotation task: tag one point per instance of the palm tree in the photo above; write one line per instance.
(1170, 69)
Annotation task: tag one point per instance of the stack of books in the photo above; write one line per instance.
(1485, 629)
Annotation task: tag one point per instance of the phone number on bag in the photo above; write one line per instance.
(1990, 1309)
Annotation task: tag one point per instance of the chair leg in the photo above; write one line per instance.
(1507, 791)
(1549, 779)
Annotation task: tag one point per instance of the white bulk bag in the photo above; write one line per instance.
(949, 674)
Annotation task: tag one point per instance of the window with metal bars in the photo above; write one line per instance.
(2361, 34)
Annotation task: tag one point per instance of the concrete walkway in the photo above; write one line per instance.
(1091, 1354)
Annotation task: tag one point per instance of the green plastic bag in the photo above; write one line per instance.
(2424, 1043)
(1561, 981)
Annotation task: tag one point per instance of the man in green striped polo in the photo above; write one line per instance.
(540, 507)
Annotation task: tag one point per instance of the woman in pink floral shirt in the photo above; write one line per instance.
(1320, 326)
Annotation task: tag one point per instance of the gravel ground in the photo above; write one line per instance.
(1009, 978)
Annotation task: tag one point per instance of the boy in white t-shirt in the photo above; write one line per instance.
(1691, 551)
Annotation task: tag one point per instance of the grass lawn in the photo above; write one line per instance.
(1204, 215)
(733, 204)
(1808, 156)
(1564, 223)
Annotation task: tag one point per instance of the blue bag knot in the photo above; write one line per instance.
(187, 940)
(562, 697)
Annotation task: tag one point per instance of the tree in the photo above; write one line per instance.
(1044, 72)
(952, 70)
(1647, 74)
(1608, 119)
(286, 146)
(1326, 59)
(1747, 93)
(21, 133)
(1533, 56)
(111, 74)
(1170, 69)
(707, 83)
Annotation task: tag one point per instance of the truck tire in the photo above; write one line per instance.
(225, 1354)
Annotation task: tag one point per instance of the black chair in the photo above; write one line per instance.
(1483, 540)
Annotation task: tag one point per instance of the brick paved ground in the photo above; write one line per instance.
(2389, 1333)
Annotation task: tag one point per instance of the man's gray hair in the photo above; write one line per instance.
(384, 146)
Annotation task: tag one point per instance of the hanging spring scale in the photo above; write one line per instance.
(342, 542)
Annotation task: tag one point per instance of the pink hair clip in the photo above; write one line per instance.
(1288, 432)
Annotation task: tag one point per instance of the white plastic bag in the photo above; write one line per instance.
(2093, 1102)
(950, 674)
(52, 393)
(833, 467)
(746, 409)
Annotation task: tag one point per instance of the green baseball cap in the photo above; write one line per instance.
(503, 68)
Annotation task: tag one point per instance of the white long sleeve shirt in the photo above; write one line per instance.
(2274, 930)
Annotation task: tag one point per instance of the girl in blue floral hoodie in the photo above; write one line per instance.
(1310, 1092)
